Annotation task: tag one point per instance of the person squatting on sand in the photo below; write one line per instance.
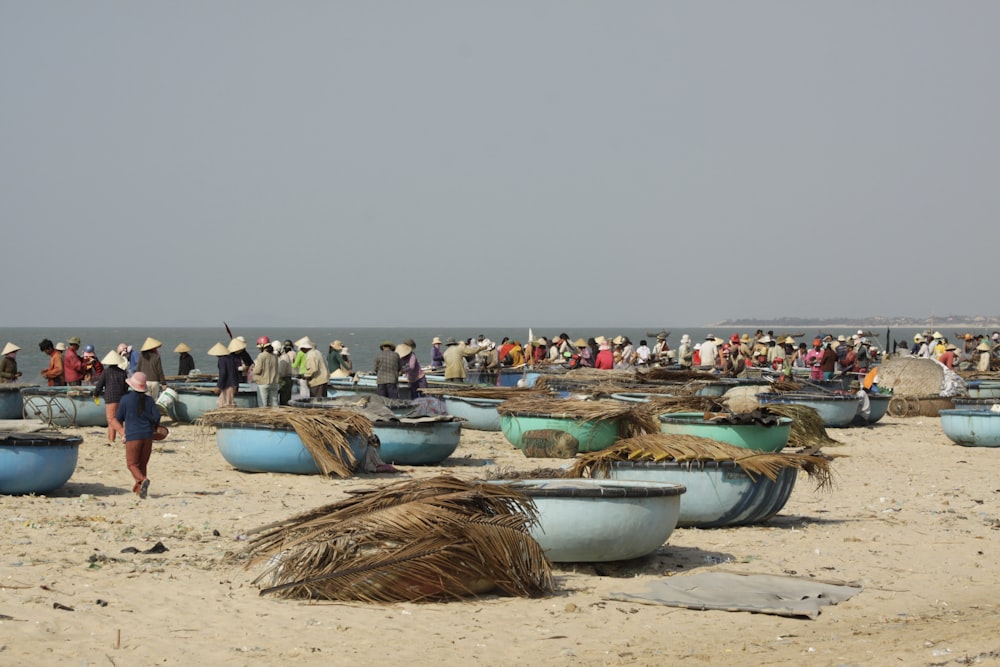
(141, 417)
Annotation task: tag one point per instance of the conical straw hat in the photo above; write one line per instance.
(218, 350)
(182, 347)
(9, 347)
(150, 344)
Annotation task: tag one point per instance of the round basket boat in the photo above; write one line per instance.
(983, 388)
(64, 406)
(11, 402)
(975, 403)
(266, 448)
(36, 462)
(194, 400)
(758, 436)
(719, 493)
(522, 429)
(836, 410)
(406, 440)
(878, 407)
(596, 520)
(972, 428)
(637, 396)
(720, 386)
(480, 414)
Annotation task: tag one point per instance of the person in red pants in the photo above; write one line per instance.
(141, 417)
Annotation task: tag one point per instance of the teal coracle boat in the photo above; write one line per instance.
(598, 520)
(266, 448)
(193, 401)
(64, 406)
(836, 410)
(590, 435)
(972, 428)
(36, 462)
(11, 402)
(755, 435)
(480, 414)
(719, 493)
(983, 388)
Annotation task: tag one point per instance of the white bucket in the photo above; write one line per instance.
(166, 402)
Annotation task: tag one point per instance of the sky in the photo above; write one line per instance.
(443, 163)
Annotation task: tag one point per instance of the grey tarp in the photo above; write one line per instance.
(731, 591)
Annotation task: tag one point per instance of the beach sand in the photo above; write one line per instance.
(912, 517)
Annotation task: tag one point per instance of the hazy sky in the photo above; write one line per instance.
(508, 163)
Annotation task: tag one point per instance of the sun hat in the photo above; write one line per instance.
(112, 358)
(218, 350)
(387, 343)
(950, 346)
(579, 342)
(710, 337)
(745, 338)
(236, 345)
(718, 341)
(937, 334)
(697, 346)
(10, 347)
(451, 341)
(789, 341)
(918, 338)
(600, 340)
(412, 343)
(61, 346)
(541, 341)
(684, 339)
(337, 345)
(983, 347)
(842, 338)
(150, 344)
(73, 340)
(182, 347)
(765, 339)
(663, 335)
(403, 349)
(137, 381)
(618, 340)
(436, 341)
(305, 342)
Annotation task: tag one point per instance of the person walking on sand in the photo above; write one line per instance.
(112, 384)
(139, 414)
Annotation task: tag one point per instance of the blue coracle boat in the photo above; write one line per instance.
(64, 406)
(265, 448)
(835, 410)
(972, 428)
(479, 414)
(36, 462)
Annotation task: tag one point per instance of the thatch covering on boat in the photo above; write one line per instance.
(632, 418)
(435, 538)
(324, 433)
(500, 393)
(666, 375)
(913, 376)
(693, 449)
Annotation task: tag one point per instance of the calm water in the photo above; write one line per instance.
(363, 343)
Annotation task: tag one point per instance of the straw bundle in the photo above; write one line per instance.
(690, 448)
(665, 375)
(632, 420)
(324, 432)
(436, 538)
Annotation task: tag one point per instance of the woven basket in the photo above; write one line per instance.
(919, 406)
(911, 377)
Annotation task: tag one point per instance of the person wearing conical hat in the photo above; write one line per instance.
(316, 374)
(8, 363)
(437, 354)
(140, 416)
(111, 386)
(151, 364)
(338, 366)
(185, 361)
(414, 371)
(685, 353)
(985, 354)
(229, 375)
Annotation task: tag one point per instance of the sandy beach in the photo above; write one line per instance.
(912, 517)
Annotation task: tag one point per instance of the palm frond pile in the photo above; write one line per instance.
(693, 449)
(632, 420)
(324, 432)
(437, 538)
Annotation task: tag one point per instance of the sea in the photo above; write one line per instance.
(363, 342)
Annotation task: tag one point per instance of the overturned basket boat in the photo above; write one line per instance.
(36, 462)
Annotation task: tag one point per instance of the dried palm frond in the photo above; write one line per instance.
(632, 418)
(786, 385)
(677, 376)
(807, 426)
(412, 540)
(690, 448)
(509, 472)
(324, 432)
